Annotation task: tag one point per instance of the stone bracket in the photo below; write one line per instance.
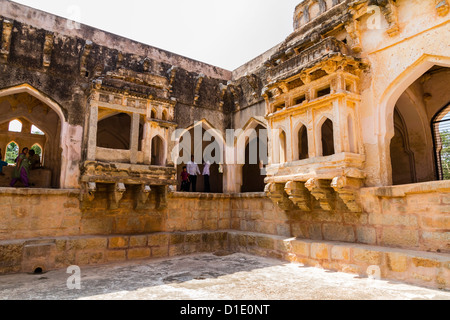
(354, 32)
(299, 195)
(87, 194)
(115, 194)
(162, 193)
(278, 195)
(142, 196)
(347, 189)
(6, 41)
(321, 190)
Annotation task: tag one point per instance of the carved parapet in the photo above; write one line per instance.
(87, 194)
(299, 195)
(115, 195)
(442, 7)
(347, 189)
(142, 196)
(276, 193)
(321, 190)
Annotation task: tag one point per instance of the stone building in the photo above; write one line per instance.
(348, 108)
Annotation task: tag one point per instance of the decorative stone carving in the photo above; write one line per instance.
(223, 91)
(321, 190)
(87, 194)
(347, 189)
(200, 79)
(48, 48)
(142, 196)
(115, 195)
(84, 56)
(442, 7)
(353, 30)
(6, 41)
(299, 195)
(276, 193)
(162, 193)
(389, 11)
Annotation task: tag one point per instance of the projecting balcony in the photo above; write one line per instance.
(325, 49)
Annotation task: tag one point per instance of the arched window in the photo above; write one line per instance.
(36, 130)
(158, 152)
(165, 116)
(303, 148)
(283, 151)
(327, 138)
(12, 152)
(15, 126)
(441, 133)
(38, 150)
(153, 114)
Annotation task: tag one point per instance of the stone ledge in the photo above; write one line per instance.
(414, 267)
(39, 191)
(201, 195)
(403, 190)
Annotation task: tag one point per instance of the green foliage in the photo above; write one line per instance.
(37, 149)
(12, 152)
(445, 154)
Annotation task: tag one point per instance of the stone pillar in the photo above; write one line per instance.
(92, 139)
(147, 143)
(232, 178)
(134, 138)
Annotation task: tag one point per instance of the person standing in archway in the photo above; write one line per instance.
(193, 171)
(21, 171)
(206, 175)
(2, 163)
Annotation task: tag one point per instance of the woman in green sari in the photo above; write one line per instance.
(21, 170)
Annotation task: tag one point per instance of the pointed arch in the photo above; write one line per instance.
(158, 151)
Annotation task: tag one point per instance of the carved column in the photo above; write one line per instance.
(134, 138)
(299, 195)
(92, 139)
(321, 190)
(276, 193)
(115, 194)
(347, 189)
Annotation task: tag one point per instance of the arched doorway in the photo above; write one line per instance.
(253, 169)
(158, 152)
(327, 137)
(33, 121)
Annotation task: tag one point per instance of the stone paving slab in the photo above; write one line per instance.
(209, 277)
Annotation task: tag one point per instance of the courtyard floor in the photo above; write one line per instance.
(209, 277)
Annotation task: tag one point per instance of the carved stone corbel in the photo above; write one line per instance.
(347, 189)
(48, 48)
(223, 91)
(276, 193)
(84, 56)
(234, 91)
(321, 190)
(442, 7)
(87, 194)
(299, 195)
(6, 41)
(115, 195)
(389, 10)
(142, 196)
(162, 193)
(172, 74)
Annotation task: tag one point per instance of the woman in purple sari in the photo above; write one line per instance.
(21, 170)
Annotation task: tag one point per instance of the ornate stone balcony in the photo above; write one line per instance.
(306, 59)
